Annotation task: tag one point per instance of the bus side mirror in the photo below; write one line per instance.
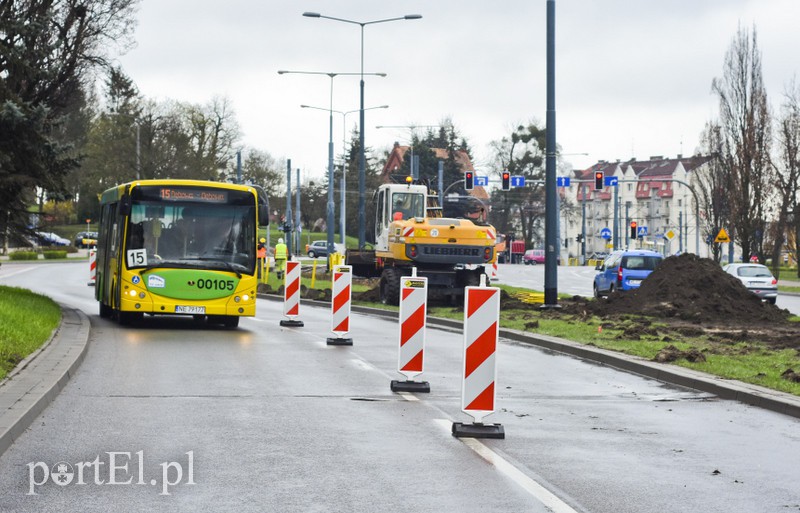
(263, 206)
(125, 205)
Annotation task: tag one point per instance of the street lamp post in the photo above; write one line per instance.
(344, 151)
(330, 209)
(362, 161)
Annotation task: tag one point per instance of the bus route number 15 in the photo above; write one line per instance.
(137, 257)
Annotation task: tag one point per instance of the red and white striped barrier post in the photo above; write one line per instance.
(340, 305)
(413, 317)
(291, 295)
(478, 386)
(92, 267)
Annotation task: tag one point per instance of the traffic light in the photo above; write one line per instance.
(598, 180)
(506, 181)
(469, 180)
(633, 230)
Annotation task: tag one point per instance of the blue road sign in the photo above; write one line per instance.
(642, 231)
(610, 181)
(562, 181)
(480, 181)
(605, 233)
(517, 181)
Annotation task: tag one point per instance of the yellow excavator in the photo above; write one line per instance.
(411, 232)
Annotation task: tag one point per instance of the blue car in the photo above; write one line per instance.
(624, 270)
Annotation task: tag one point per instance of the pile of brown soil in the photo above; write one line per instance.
(695, 290)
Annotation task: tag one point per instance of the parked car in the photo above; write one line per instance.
(624, 270)
(85, 239)
(536, 256)
(50, 239)
(757, 278)
(533, 257)
(317, 248)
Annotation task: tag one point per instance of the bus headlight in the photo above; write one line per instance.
(237, 299)
(132, 293)
(246, 297)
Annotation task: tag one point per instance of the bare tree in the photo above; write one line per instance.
(745, 137)
(712, 183)
(787, 172)
(261, 168)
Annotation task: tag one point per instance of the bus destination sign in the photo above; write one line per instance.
(186, 194)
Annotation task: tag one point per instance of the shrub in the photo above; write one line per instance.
(23, 255)
(54, 254)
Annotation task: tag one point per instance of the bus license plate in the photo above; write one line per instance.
(190, 309)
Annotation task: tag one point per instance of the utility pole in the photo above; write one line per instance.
(239, 167)
(299, 230)
(441, 184)
(583, 223)
(551, 201)
(287, 232)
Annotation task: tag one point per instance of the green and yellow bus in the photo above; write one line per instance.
(179, 247)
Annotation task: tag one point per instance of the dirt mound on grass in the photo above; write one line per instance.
(691, 289)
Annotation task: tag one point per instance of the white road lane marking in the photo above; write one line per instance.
(14, 273)
(364, 365)
(537, 491)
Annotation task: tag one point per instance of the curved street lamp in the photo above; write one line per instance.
(330, 207)
(344, 150)
(362, 161)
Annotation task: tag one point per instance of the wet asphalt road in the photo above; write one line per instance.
(275, 420)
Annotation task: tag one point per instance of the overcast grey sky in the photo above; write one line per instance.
(633, 77)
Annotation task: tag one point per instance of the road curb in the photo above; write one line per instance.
(38, 379)
(753, 395)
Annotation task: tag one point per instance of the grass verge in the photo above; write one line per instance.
(26, 322)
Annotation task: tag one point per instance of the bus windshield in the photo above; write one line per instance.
(190, 234)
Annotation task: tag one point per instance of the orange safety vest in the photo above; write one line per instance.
(262, 252)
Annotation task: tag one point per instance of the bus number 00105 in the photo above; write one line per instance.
(215, 284)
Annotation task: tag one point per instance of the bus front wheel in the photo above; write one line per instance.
(128, 318)
(105, 310)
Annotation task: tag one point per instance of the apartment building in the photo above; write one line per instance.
(654, 193)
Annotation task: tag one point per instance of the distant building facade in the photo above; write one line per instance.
(653, 193)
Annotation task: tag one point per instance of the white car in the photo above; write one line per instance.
(757, 278)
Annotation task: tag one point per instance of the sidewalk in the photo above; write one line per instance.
(38, 379)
